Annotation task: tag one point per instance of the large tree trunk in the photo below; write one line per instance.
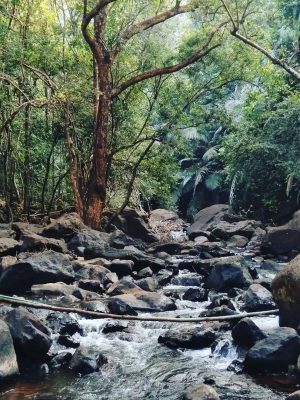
(96, 191)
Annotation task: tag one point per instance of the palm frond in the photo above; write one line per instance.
(211, 153)
(213, 181)
(201, 174)
(289, 185)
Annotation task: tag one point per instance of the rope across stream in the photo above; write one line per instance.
(99, 315)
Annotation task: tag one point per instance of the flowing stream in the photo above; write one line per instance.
(140, 368)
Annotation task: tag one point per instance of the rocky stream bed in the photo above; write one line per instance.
(221, 265)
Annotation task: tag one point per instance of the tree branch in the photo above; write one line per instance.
(276, 61)
(198, 55)
(149, 23)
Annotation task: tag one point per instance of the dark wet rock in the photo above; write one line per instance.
(218, 312)
(220, 300)
(57, 322)
(98, 273)
(32, 339)
(87, 360)
(141, 259)
(68, 341)
(120, 306)
(286, 293)
(9, 247)
(204, 266)
(61, 360)
(91, 285)
(212, 250)
(149, 284)
(187, 280)
(195, 294)
(275, 353)
(46, 267)
(34, 242)
(121, 267)
(122, 287)
(188, 338)
(201, 392)
(146, 301)
(207, 218)
(225, 230)
(237, 241)
(172, 248)
(271, 266)
(119, 240)
(145, 273)
(258, 298)
(224, 275)
(86, 238)
(8, 364)
(236, 366)
(70, 328)
(247, 333)
(133, 224)
(281, 240)
(164, 277)
(65, 227)
(114, 326)
(93, 305)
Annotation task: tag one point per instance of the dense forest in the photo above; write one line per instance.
(174, 104)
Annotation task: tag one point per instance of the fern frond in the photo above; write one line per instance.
(290, 182)
(211, 153)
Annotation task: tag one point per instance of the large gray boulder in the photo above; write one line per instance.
(8, 364)
(86, 238)
(64, 227)
(275, 353)
(142, 301)
(9, 247)
(258, 298)
(35, 242)
(226, 275)
(32, 339)
(45, 267)
(281, 240)
(286, 293)
(188, 338)
(206, 219)
(87, 360)
(225, 230)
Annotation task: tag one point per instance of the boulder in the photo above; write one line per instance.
(121, 267)
(65, 227)
(145, 273)
(225, 275)
(275, 353)
(247, 333)
(8, 365)
(68, 341)
(122, 287)
(294, 223)
(188, 338)
(9, 247)
(144, 301)
(34, 242)
(167, 225)
(53, 289)
(133, 224)
(98, 273)
(87, 360)
(225, 230)
(281, 240)
(91, 285)
(32, 339)
(24, 228)
(201, 392)
(86, 238)
(115, 326)
(120, 306)
(189, 279)
(207, 218)
(140, 258)
(61, 360)
(149, 284)
(46, 267)
(195, 294)
(204, 266)
(237, 241)
(258, 298)
(286, 293)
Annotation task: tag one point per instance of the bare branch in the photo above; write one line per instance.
(10, 80)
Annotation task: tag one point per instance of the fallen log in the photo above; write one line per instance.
(98, 315)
